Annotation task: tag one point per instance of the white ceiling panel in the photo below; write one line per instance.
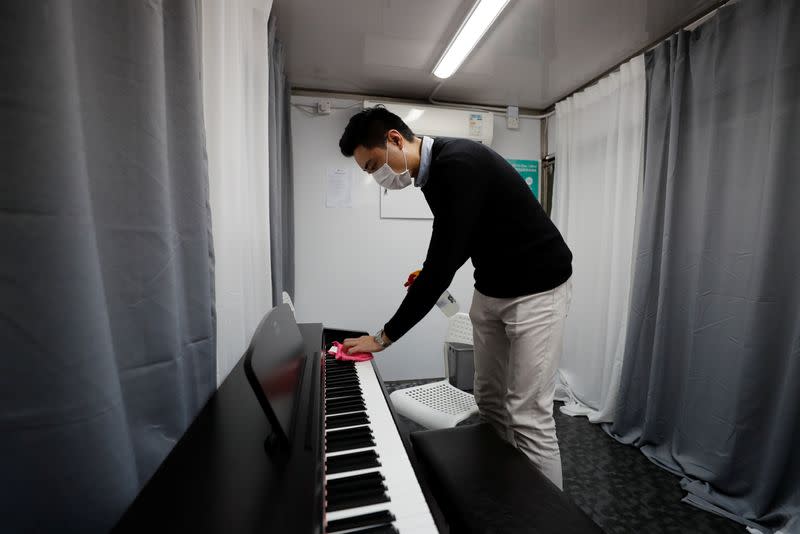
(537, 52)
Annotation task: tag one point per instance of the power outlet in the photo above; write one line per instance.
(324, 107)
(512, 118)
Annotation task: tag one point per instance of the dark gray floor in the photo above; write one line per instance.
(620, 489)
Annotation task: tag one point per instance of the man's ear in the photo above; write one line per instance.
(393, 136)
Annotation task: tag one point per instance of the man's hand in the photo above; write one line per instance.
(361, 344)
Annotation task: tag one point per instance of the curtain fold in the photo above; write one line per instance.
(709, 386)
(236, 82)
(599, 151)
(106, 293)
(281, 189)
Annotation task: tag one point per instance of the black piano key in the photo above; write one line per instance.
(335, 373)
(334, 440)
(343, 482)
(349, 406)
(335, 401)
(333, 381)
(374, 519)
(383, 529)
(345, 433)
(344, 401)
(344, 445)
(341, 410)
(342, 384)
(340, 372)
(333, 363)
(347, 409)
(352, 462)
(341, 380)
(331, 439)
(337, 396)
(362, 487)
(344, 392)
(357, 503)
(329, 382)
(348, 419)
(330, 369)
(333, 391)
(330, 373)
(348, 433)
(352, 497)
(331, 387)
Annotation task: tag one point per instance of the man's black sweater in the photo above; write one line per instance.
(482, 209)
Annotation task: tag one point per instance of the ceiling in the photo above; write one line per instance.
(537, 52)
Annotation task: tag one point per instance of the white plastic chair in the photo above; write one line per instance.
(439, 404)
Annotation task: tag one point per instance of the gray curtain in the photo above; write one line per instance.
(106, 286)
(281, 195)
(711, 382)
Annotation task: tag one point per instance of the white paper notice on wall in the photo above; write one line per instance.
(338, 188)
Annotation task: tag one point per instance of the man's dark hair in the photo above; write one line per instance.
(369, 127)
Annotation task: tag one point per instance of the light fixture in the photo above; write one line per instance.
(413, 115)
(482, 15)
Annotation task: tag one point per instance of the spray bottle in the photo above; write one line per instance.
(447, 303)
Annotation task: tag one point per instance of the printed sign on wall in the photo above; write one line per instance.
(529, 170)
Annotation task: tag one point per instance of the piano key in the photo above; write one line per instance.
(383, 529)
(339, 421)
(405, 499)
(350, 497)
(355, 480)
(344, 401)
(347, 495)
(339, 373)
(341, 382)
(345, 392)
(352, 462)
(362, 521)
(352, 444)
(347, 408)
(358, 502)
(336, 390)
(348, 433)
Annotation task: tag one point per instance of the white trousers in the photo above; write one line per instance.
(517, 345)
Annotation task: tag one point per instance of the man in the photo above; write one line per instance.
(482, 209)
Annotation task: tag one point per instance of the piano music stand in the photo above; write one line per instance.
(273, 365)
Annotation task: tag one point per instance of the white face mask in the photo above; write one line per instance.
(386, 177)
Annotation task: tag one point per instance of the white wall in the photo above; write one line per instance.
(350, 263)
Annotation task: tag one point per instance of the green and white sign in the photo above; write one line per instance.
(529, 170)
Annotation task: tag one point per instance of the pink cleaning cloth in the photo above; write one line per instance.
(339, 351)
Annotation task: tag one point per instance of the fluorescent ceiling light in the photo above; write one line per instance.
(483, 14)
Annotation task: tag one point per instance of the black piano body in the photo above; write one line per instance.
(230, 473)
